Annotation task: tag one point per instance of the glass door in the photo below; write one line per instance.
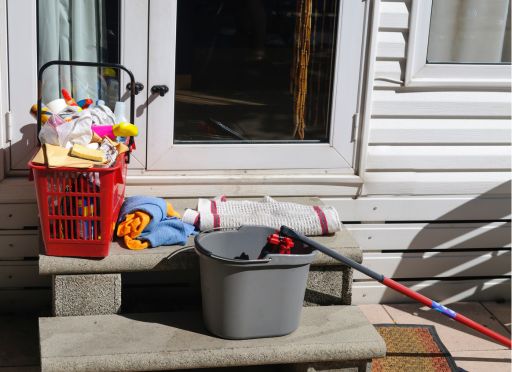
(253, 84)
(80, 30)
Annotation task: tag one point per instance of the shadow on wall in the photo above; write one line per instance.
(2, 163)
(457, 285)
(22, 151)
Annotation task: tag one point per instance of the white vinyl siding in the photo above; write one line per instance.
(4, 88)
(393, 131)
(457, 137)
(391, 231)
(434, 157)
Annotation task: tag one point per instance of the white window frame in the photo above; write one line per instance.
(4, 87)
(338, 154)
(419, 73)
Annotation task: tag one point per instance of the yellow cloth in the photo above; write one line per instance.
(171, 212)
(135, 223)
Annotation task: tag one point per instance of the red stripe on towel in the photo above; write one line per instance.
(323, 220)
(216, 217)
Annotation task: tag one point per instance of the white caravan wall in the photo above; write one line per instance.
(434, 209)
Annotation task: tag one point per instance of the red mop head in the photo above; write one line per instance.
(285, 244)
(273, 239)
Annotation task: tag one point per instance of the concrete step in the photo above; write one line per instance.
(168, 258)
(169, 341)
(83, 286)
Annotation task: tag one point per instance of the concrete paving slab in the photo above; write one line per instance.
(269, 368)
(488, 360)
(456, 336)
(501, 312)
(375, 314)
(158, 341)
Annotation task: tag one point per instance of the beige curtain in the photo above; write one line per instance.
(70, 30)
(469, 31)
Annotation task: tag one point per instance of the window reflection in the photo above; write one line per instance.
(254, 70)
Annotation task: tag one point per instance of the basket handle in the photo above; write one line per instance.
(86, 64)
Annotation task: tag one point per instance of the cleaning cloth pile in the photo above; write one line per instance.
(146, 221)
(307, 219)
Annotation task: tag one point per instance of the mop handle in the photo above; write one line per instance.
(286, 231)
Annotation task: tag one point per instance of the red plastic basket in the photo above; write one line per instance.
(78, 208)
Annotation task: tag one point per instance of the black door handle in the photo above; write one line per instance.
(159, 89)
(138, 87)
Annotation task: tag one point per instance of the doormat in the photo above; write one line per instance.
(412, 347)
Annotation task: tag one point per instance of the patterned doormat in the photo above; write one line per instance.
(412, 347)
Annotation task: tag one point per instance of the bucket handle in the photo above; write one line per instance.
(206, 252)
(239, 262)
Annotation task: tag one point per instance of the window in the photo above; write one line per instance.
(254, 84)
(254, 71)
(469, 32)
(79, 31)
(459, 44)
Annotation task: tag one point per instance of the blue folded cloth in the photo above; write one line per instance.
(161, 230)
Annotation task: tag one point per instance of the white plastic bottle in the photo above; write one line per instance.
(120, 114)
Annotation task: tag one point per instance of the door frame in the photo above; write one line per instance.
(243, 180)
(338, 154)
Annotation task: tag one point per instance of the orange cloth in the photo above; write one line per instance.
(135, 244)
(135, 223)
(132, 227)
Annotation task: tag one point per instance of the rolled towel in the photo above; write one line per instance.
(309, 220)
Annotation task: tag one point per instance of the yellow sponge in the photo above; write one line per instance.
(125, 129)
(85, 153)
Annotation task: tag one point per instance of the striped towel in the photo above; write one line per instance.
(309, 220)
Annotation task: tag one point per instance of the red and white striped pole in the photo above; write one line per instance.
(286, 231)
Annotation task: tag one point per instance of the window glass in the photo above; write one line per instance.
(254, 70)
(80, 30)
(469, 31)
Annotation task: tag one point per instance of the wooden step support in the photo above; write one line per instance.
(339, 337)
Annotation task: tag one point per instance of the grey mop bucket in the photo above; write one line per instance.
(245, 296)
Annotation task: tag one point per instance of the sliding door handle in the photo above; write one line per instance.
(138, 87)
(160, 89)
